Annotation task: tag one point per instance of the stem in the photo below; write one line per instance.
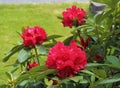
(21, 67)
(66, 85)
(36, 54)
(78, 33)
(96, 28)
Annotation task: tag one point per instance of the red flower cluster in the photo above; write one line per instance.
(34, 35)
(31, 65)
(73, 14)
(67, 60)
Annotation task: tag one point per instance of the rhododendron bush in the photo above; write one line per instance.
(88, 58)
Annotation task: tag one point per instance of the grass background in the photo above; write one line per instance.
(14, 17)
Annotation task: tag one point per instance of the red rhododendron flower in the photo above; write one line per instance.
(34, 35)
(67, 60)
(31, 65)
(73, 14)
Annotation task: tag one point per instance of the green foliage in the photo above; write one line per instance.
(103, 55)
(23, 55)
(12, 51)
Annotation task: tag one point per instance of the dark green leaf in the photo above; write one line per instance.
(53, 37)
(60, 17)
(23, 55)
(67, 41)
(12, 52)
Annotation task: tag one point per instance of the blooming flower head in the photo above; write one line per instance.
(73, 17)
(33, 35)
(31, 65)
(67, 60)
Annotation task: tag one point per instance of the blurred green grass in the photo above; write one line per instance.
(14, 17)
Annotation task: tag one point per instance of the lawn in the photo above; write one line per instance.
(15, 17)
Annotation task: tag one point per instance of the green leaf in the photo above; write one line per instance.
(9, 75)
(67, 41)
(114, 60)
(60, 17)
(14, 70)
(42, 50)
(83, 81)
(21, 78)
(12, 52)
(98, 18)
(53, 37)
(50, 71)
(38, 69)
(108, 65)
(115, 78)
(23, 83)
(35, 74)
(111, 3)
(87, 26)
(90, 73)
(95, 65)
(76, 78)
(100, 72)
(23, 55)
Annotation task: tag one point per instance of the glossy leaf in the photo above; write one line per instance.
(90, 73)
(38, 69)
(114, 60)
(95, 65)
(53, 37)
(100, 72)
(23, 84)
(42, 50)
(115, 78)
(23, 55)
(76, 78)
(110, 3)
(67, 41)
(12, 52)
(90, 65)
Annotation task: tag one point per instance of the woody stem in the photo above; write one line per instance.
(36, 54)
